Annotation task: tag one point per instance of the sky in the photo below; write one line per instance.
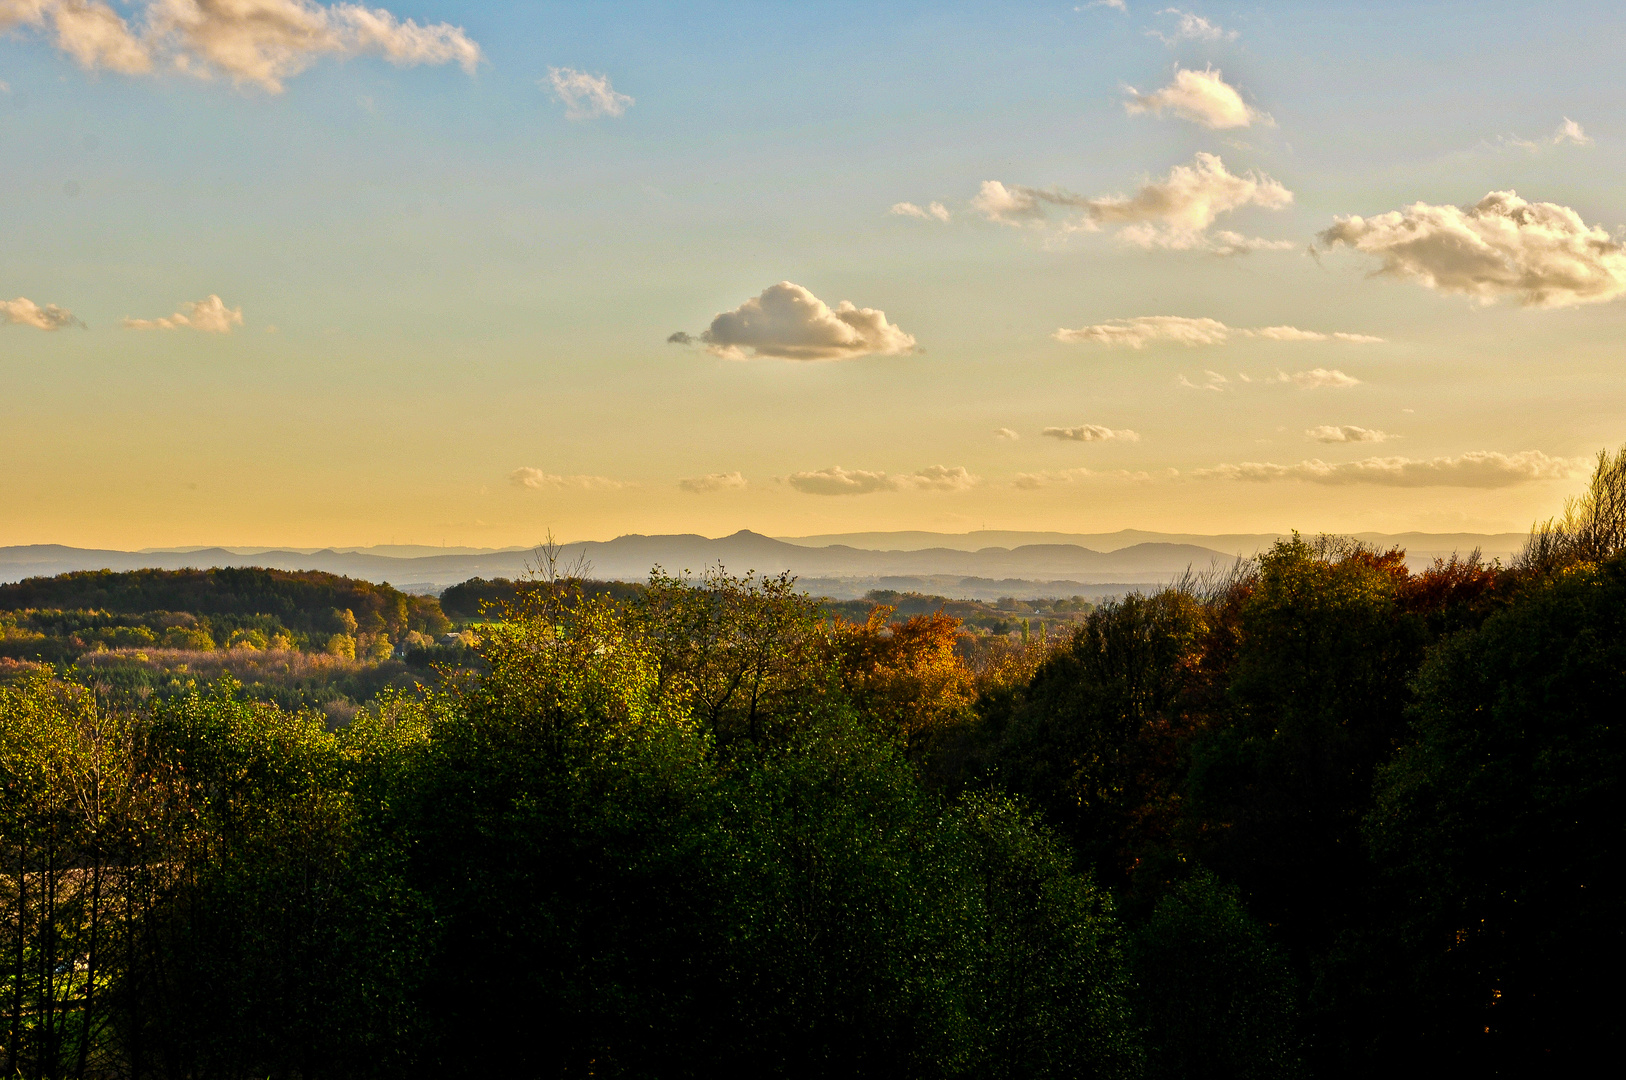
(278, 272)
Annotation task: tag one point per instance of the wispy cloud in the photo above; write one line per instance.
(1032, 481)
(838, 481)
(1212, 380)
(1144, 330)
(541, 480)
(1116, 5)
(1542, 254)
(259, 42)
(24, 312)
(932, 212)
(1175, 212)
(1203, 97)
(1006, 434)
(1090, 433)
(585, 96)
(717, 481)
(1477, 469)
(1191, 27)
(209, 315)
(788, 322)
(1346, 433)
(1568, 133)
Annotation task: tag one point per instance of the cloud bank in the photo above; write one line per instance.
(1175, 212)
(1477, 469)
(717, 481)
(585, 96)
(1090, 433)
(210, 315)
(24, 312)
(1542, 254)
(788, 322)
(838, 481)
(259, 42)
(1144, 330)
(1203, 97)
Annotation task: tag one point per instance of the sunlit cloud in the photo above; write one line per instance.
(1090, 433)
(1144, 330)
(704, 485)
(788, 322)
(1568, 133)
(1006, 434)
(838, 481)
(1318, 379)
(1477, 469)
(541, 480)
(1346, 433)
(585, 96)
(24, 312)
(1032, 481)
(1191, 27)
(209, 315)
(260, 42)
(931, 212)
(1542, 254)
(1203, 97)
(1175, 212)
(1212, 380)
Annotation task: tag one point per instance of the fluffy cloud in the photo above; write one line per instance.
(790, 323)
(934, 210)
(210, 315)
(585, 96)
(261, 42)
(717, 481)
(1090, 433)
(1478, 469)
(1346, 433)
(1570, 132)
(1203, 97)
(1174, 212)
(538, 480)
(1144, 330)
(24, 312)
(1543, 254)
(838, 481)
(1191, 27)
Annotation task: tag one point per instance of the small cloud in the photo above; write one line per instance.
(1090, 433)
(538, 480)
(1203, 97)
(1191, 27)
(1212, 380)
(838, 481)
(718, 481)
(1050, 478)
(585, 96)
(209, 315)
(788, 322)
(1173, 213)
(1346, 433)
(1006, 434)
(1144, 330)
(1478, 469)
(1570, 132)
(1115, 5)
(24, 312)
(940, 478)
(1542, 254)
(1318, 379)
(680, 337)
(1293, 333)
(934, 211)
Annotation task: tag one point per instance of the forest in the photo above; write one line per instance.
(1319, 816)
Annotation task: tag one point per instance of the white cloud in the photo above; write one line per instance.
(1050, 478)
(717, 481)
(1346, 433)
(1543, 254)
(210, 315)
(1144, 330)
(24, 312)
(1213, 380)
(838, 481)
(789, 322)
(261, 42)
(908, 209)
(1191, 27)
(1174, 213)
(538, 480)
(1570, 132)
(1090, 433)
(1318, 379)
(1116, 5)
(585, 96)
(1478, 469)
(1203, 97)
(1006, 433)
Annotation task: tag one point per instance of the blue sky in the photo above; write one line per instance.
(455, 290)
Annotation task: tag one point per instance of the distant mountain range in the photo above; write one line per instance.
(981, 565)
